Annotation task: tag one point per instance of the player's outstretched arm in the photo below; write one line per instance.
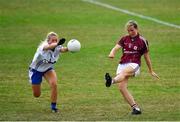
(148, 62)
(114, 50)
(64, 49)
(50, 46)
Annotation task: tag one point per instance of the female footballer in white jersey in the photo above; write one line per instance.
(45, 57)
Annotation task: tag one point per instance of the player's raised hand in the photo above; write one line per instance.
(61, 41)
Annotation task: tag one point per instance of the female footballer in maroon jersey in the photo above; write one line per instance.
(133, 47)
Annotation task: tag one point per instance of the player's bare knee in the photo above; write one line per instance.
(53, 84)
(36, 94)
(125, 74)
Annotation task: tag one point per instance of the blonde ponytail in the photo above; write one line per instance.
(47, 38)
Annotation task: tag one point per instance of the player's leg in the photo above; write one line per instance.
(36, 90)
(128, 97)
(35, 79)
(51, 77)
(127, 71)
(123, 89)
(123, 73)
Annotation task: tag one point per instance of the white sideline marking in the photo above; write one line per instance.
(132, 13)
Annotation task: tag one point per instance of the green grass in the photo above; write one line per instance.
(82, 94)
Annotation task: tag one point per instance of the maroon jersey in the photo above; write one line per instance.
(133, 49)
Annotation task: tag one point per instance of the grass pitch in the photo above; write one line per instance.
(82, 94)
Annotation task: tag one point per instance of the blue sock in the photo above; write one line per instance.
(53, 105)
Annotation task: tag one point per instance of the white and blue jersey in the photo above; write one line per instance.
(44, 59)
(42, 62)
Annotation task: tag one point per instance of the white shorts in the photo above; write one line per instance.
(135, 66)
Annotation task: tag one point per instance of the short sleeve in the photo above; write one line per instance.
(40, 48)
(121, 42)
(146, 47)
